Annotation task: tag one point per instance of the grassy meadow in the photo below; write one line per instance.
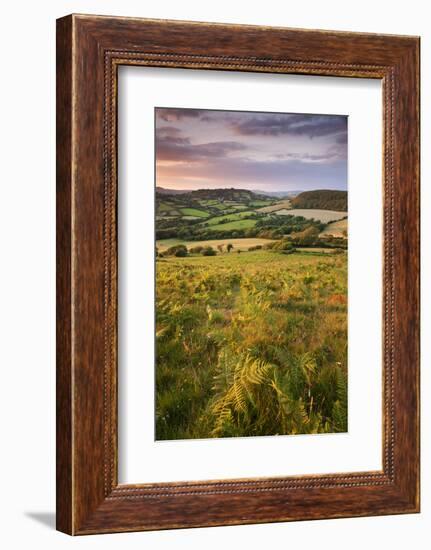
(251, 342)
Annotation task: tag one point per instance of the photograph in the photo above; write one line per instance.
(251, 294)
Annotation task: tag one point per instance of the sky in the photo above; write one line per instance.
(207, 149)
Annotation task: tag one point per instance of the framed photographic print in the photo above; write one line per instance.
(237, 274)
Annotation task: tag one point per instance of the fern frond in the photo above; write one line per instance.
(238, 385)
(339, 409)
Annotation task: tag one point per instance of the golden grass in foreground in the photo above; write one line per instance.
(251, 344)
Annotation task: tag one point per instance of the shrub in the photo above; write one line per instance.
(208, 251)
(196, 249)
(172, 251)
(284, 245)
(181, 253)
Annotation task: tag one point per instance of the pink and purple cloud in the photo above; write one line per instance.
(197, 148)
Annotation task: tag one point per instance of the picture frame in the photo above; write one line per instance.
(89, 51)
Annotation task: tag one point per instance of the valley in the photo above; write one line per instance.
(218, 214)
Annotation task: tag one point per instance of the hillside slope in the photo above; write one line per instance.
(323, 199)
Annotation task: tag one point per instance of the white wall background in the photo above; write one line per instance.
(27, 279)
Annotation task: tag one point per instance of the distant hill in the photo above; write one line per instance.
(163, 191)
(323, 199)
(280, 194)
(222, 195)
(273, 194)
(207, 203)
(228, 194)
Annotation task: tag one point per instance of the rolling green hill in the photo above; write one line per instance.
(206, 203)
(240, 213)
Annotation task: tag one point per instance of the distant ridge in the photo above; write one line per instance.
(221, 194)
(289, 194)
(164, 191)
(323, 199)
(275, 194)
(280, 194)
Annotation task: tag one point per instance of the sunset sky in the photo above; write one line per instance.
(197, 149)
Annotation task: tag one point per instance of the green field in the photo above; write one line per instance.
(234, 225)
(194, 212)
(208, 202)
(164, 207)
(251, 344)
(232, 217)
(258, 203)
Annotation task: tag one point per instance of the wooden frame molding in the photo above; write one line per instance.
(89, 51)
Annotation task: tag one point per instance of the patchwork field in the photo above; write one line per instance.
(235, 213)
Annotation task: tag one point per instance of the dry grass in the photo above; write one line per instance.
(284, 204)
(251, 344)
(324, 216)
(336, 229)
